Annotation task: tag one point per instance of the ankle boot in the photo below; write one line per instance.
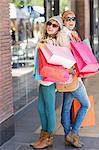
(39, 140)
(74, 140)
(47, 141)
(67, 143)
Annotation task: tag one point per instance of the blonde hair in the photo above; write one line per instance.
(45, 34)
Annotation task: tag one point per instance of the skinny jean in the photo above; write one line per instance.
(46, 107)
(81, 95)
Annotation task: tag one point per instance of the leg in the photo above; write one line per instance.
(81, 95)
(43, 119)
(65, 114)
(49, 107)
(49, 97)
(41, 108)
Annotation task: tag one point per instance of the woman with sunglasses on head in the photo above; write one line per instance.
(71, 132)
(46, 97)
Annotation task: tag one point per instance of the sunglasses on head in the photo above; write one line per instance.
(70, 18)
(52, 24)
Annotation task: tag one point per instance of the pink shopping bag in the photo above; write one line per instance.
(51, 72)
(86, 63)
(58, 55)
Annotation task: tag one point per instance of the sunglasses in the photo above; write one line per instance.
(70, 18)
(52, 24)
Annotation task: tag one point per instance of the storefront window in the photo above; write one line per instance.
(26, 27)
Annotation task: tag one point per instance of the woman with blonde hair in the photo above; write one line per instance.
(46, 97)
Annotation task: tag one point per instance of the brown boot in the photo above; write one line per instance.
(74, 140)
(47, 141)
(39, 140)
(67, 143)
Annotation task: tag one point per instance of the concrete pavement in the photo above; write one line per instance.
(27, 124)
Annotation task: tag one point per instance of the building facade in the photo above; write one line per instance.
(6, 98)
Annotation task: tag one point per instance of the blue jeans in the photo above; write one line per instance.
(46, 107)
(81, 95)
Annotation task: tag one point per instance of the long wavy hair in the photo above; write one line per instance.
(45, 34)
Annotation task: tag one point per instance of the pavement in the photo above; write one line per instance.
(27, 124)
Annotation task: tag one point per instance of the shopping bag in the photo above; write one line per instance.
(36, 74)
(90, 118)
(51, 72)
(87, 42)
(58, 55)
(84, 74)
(86, 63)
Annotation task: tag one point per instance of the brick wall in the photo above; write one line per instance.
(6, 100)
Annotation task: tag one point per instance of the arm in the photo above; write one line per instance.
(75, 36)
(63, 39)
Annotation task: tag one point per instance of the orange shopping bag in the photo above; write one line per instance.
(90, 119)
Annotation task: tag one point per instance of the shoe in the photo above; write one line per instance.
(47, 141)
(39, 140)
(74, 139)
(67, 143)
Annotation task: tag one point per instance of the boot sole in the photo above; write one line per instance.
(67, 143)
(31, 145)
(72, 143)
(42, 147)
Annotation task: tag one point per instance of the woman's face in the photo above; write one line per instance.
(52, 27)
(70, 21)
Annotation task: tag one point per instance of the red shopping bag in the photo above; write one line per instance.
(51, 72)
(90, 118)
(84, 74)
(58, 55)
(86, 63)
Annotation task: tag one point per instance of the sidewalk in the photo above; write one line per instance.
(27, 125)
